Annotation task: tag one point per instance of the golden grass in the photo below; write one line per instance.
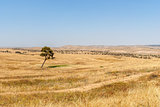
(130, 94)
(22, 73)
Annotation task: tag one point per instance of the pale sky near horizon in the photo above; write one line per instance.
(27, 23)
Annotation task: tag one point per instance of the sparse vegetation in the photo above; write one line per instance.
(23, 84)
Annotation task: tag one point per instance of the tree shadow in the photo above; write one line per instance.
(56, 66)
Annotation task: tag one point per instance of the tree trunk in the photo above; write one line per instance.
(43, 62)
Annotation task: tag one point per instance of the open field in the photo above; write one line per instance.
(78, 80)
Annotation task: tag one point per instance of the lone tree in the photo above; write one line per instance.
(47, 52)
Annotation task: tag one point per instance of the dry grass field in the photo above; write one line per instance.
(78, 80)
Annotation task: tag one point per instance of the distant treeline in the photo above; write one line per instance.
(6, 51)
(29, 50)
(107, 53)
(93, 52)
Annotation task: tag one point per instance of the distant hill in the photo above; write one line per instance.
(154, 45)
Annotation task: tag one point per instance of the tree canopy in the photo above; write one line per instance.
(47, 52)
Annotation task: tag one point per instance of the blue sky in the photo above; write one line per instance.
(27, 23)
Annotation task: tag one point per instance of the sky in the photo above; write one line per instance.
(34, 23)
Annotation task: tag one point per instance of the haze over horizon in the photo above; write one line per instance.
(28, 23)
